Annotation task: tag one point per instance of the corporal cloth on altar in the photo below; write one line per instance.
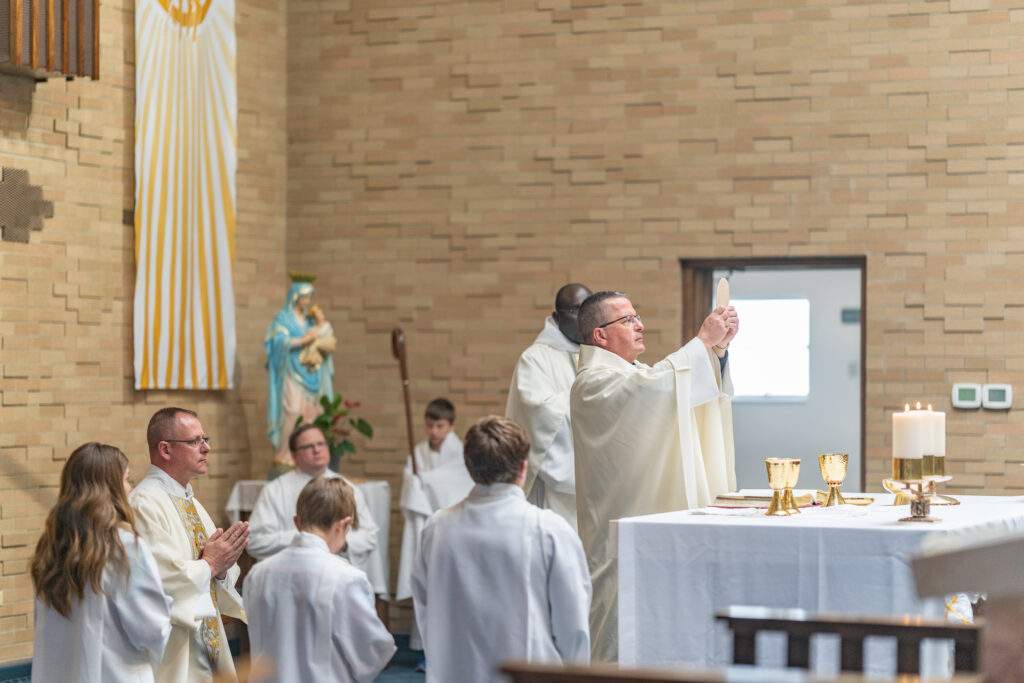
(186, 114)
(442, 482)
(538, 400)
(677, 568)
(642, 445)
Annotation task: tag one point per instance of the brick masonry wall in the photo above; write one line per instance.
(66, 297)
(451, 164)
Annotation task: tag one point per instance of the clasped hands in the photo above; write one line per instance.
(223, 548)
(719, 328)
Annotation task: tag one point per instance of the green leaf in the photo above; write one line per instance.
(325, 403)
(347, 446)
(336, 402)
(362, 426)
(298, 421)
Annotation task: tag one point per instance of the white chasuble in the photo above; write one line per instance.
(272, 522)
(312, 615)
(116, 636)
(538, 400)
(175, 525)
(647, 440)
(498, 579)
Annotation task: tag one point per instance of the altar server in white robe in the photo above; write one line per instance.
(271, 524)
(647, 439)
(196, 560)
(442, 480)
(497, 578)
(311, 613)
(101, 615)
(538, 399)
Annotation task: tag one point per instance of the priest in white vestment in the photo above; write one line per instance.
(442, 481)
(311, 613)
(647, 439)
(496, 578)
(538, 399)
(271, 524)
(196, 560)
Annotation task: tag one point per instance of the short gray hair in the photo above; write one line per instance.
(592, 312)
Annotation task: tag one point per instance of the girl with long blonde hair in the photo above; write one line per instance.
(101, 613)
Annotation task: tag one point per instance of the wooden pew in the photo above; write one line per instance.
(746, 622)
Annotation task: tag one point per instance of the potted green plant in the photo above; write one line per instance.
(338, 424)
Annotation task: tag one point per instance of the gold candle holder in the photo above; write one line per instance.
(909, 474)
(833, 470)
(782, 477)
(934, 474)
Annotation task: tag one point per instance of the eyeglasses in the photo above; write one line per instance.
(631, 320)
(192, 443)
(312, 446)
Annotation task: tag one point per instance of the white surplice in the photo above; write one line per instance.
(186, 579)
(272, 522)
(442, 482)
(498, 579)
(116, 636)
(538, 400)
(647, 439)
(312, 615)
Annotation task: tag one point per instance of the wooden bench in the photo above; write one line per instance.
(746, 622)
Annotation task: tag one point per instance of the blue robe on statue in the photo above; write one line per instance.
(287, 374)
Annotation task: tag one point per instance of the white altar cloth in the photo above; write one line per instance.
(677, 568)
(378, 497)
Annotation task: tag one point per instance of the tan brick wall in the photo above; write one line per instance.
(65, 298)
(450, 165)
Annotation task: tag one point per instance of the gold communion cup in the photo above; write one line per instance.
(782, 476)
(833, 471)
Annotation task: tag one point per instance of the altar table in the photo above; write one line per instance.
(677, 568)
(378, 498)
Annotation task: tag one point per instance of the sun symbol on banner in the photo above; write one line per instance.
(188, 13)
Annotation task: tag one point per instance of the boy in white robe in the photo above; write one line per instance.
(311, 613)
(196, 560)
(646, 439)
(538, 400)
(271, 526)
(497, 578)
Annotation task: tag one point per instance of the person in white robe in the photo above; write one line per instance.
(646, 439)
(116, 634)
(497, 578)
(441, 481)
(196, 560)
(271, 524)
(311, 613)
(538, 400)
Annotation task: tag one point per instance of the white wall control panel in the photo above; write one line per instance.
(966, 396)
(997, 396)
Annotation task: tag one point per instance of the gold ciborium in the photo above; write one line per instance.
(782, 476)
(833, 471)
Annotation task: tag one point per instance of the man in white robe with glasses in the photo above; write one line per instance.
(538, 400)
(646, 439)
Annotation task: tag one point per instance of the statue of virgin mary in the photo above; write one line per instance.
(300, 366)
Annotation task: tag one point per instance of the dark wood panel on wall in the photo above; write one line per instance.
(50, 38)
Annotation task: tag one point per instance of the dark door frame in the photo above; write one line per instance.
(697, 295)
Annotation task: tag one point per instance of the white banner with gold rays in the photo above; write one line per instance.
(185, 159)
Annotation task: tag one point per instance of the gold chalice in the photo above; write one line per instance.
(782, 476)
(833, 471)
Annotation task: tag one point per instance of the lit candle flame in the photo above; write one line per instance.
(906, 407)
(929, 406)
(918, 406)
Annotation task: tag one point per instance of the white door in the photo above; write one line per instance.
(796, 368)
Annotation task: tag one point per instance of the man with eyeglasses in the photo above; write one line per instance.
(538, 400)
(196, 560)
(272, 519)
(647, 439)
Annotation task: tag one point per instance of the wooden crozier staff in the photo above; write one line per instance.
(398, 351)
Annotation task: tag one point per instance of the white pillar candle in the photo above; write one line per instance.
(911, 433)
(937, 420)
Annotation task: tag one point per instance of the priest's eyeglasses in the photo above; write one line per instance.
(631, 320)
(192, 443)
(312, 446)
